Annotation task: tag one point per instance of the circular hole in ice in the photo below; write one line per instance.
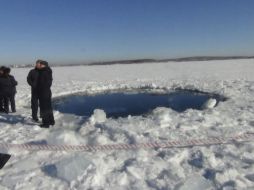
(121, 104)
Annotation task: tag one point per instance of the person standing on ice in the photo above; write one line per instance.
(44, 82)
(13, 90)
(32, 79)
(1, 93)
(5, 90)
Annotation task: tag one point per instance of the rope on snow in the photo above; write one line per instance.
(246, 137)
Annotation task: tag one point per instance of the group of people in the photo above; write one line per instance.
(40, 79)
(7, 90)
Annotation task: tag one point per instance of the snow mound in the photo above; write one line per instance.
(65, 137)
(69, 168)
(196, 182)
(99, 116)
(162, 116)
(211, 103)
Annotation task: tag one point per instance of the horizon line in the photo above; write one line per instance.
(142, 60)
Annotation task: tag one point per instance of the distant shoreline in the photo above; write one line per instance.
(141, 61)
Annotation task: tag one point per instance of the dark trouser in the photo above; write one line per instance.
(46, 109)
(4, 104)
(12, 101)
(34, 104)
(1, 103)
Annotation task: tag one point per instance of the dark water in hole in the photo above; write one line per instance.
(124, 104)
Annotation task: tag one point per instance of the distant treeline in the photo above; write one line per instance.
(140, 61)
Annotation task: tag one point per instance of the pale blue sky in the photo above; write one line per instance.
(73, 31)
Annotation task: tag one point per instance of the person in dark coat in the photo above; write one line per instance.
(5, 90)
(32, 79)
(13, 90)
(44, 83)
(1, 93)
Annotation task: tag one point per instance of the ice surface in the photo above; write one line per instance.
(224, 166)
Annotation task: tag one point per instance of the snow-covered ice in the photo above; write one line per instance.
(209, 167)
(69, 168)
